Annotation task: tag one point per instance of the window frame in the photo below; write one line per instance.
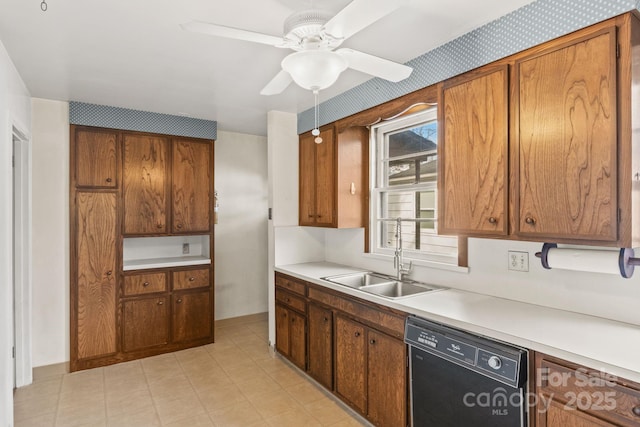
(377, 158)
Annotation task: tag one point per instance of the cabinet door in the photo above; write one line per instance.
(192, 186)
(191, 315)
(386, 380)
(325, 179)
(474, 154)
(95, 161)
(307, 168)
(321, 345)
(351, 363)
(145, 323)
(297, 342)
(282, 330)
(567, 146)
(96, 287)
(556, 415)
(145, 184)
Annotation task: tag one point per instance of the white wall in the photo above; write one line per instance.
(241, 232)
(50, 178)
(15, 110)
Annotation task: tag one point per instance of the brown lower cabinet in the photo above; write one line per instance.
(352, 347)
(191, 315)
(145, 323)
(571, 395)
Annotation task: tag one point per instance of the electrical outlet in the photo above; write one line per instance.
(185, 248)
(518, 261)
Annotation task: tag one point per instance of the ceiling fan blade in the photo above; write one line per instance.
(279, 83)
(230, 33)
(375, 65)
(359, 14)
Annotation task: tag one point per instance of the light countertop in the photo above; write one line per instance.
(598, 343)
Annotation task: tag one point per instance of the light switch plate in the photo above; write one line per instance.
(518, 261)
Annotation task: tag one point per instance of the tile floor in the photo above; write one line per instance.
(236, 381)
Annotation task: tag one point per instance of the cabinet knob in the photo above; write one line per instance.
(357, 334)
(109, 273)
(636, 411)
(108, 180)
(178, 226)
(326, 319)
(160, 302)
(145, 284)
(159, 225)
(492, 220)
(372, 341)
(529, 220)
(310, 216)
(287, 300)
(179, 300)
(191, 279)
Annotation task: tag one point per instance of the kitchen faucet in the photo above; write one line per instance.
(398, 261)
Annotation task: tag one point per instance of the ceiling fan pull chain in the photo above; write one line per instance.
(316, 116)
(44, 6)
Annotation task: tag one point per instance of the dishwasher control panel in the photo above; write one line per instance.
(494, 359)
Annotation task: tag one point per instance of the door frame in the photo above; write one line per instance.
(22, 259)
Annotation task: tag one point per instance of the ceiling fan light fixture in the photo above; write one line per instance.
(314, 69)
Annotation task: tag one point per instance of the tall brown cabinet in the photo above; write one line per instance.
(133, 185)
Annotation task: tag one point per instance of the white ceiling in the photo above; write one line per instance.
(133, 54)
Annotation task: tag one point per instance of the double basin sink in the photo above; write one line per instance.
(381, 284)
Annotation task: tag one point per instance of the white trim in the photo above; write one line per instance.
(22, 259)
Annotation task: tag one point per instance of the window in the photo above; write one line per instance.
(404, 185)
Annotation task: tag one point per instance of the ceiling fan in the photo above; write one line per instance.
(314, 35)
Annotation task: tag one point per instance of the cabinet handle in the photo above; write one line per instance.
(179, 226)
(326, 319)
(357, 334)
(108, 180)
(318, 216)
(160, 225)
(529, 220)
(492, 220)
(109, 273)
(145, 284)
(636, 411)
(179, 300)
(310, 216)
(191, 279)
(372, 342)
(160, 302)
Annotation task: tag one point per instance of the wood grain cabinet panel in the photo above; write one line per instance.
(192, 315)
(95, 158)
(189, 279)
(145, 184)
(351, 363)
(140, 284)
(291, 334)
(566, 118)
(332, 178)
(96, 289)
(192, 186)
(145, 323)
(386, 380)
(320, 338)
(474, 154)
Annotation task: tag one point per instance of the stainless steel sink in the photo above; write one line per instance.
(381, 284)
(397, 289)
(360, 279)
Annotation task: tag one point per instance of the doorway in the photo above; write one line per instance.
(22, 374)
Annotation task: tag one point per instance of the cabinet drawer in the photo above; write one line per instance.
(138, 284)
(188, 279)
(290, 284)
(381, 320)
(591, 391)
(290, 300)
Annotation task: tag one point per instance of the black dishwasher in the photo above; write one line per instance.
(460, 379)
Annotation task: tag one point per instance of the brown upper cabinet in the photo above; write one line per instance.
(565, 140)
(145, 183)
(332, 177)
(474, 156)
(154, 164)
(192, 186)
(96, 160)
(538, 146)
